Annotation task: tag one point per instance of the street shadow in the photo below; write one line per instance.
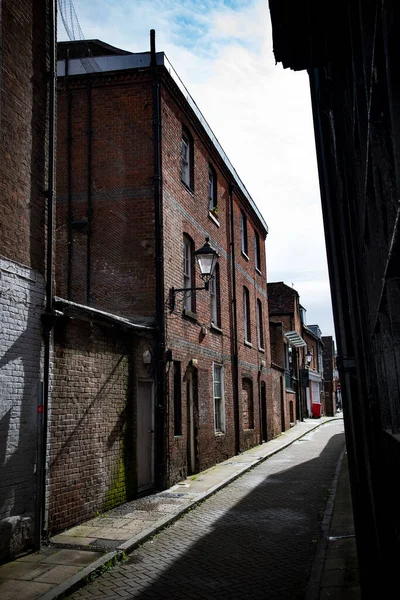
(261, 547)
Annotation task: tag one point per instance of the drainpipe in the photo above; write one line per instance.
(259, 402)
(235, 371)
(69, 177)
(158, 227)
(49, 316)
(89, 211)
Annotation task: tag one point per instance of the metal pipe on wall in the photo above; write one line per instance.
(159, 267)
(48, 317)
(235, 372)
(89, 209)
(69, 179)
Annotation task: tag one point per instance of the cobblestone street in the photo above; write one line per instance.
(254, 539)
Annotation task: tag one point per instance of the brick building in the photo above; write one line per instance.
(24, 167)
(297, 350)
(142, 181)
(286, 326)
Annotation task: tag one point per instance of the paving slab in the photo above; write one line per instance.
(22, 570)
(72, 557)
(26, 590)
(58, 574)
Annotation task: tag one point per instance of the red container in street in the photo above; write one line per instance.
(316, 410)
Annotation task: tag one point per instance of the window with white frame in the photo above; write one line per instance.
(188, 271)
(257, 251)
(260, 328)
(219, 402)
(215, 298)
(243, 232)
(212, 189)
(246, 315)
(187, 159)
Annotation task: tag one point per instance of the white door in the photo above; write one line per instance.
(145, 435)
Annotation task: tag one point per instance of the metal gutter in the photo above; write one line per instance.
(61, 303)
(235, 365)
(161, 430)
(48, 316)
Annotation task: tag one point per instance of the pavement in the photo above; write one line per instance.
(80, 554)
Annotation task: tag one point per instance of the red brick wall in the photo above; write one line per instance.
(92, 421)
(23, 151)
(122, 237)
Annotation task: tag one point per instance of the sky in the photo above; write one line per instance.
(260, 113)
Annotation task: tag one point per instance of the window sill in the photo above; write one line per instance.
(219, 433)
(245, 256)
(187, 188)
(178, 436)
(215, 328)
(213, 218)
(189, 314)
(261, 349)
(249, 344)
(290, 390)
(258, 271)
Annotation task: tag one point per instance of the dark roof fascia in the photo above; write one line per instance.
(309, 34)
(87, 313)
(106, 49)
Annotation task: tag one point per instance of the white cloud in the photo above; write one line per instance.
(260, 113)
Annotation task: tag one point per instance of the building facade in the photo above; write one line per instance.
(142, 181)
(24, 166)
(285, 309)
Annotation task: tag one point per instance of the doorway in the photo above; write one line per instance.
(263, 394)
(192, 421)
(145, 435)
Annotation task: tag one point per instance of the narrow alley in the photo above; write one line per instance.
(256, 538)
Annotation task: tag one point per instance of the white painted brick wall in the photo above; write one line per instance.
(22, 294)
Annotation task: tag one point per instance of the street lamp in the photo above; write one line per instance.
(309, 357)
(206, 257)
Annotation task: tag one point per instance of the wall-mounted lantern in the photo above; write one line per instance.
(309, 357)
(206, 257)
